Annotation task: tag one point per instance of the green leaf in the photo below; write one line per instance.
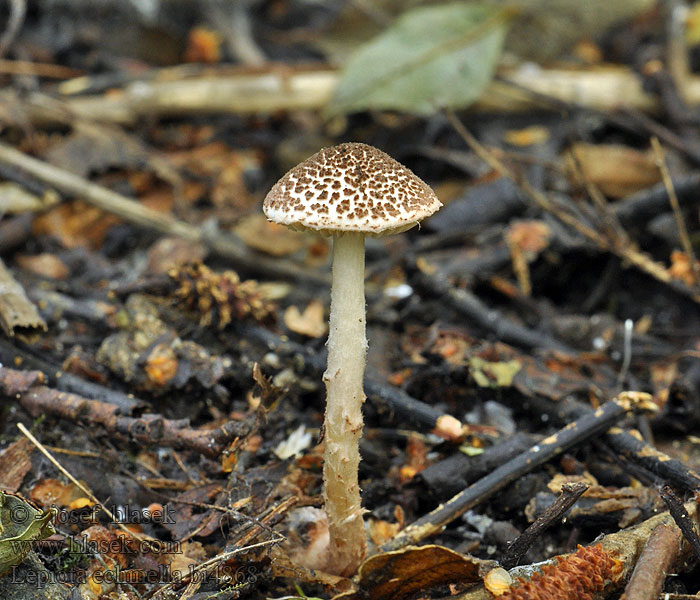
(430, 58)
(21, 524)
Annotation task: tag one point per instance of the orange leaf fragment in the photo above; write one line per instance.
(51, 492)
(203, 45)
(682, 269)
(531, 237)
(381, 531)
(94, 586)
(161, 364)
(529, 136)
(79, 503)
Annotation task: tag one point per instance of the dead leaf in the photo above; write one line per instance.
(452, 346)
(531, 237)
(109, 543)
(160, 198)
(169, 252)
(82, 363)
(425, 266)
(417, 458)
(274, 290)
(227, 168)
(381, 531)
(311, 323)
(188, 519)
(75, 224)
(559, 480)
(681, 268)
(625, 505)
(230, 189)
(662, 374)
(259, 233)
(407, 572)
(15, 464)
(51, 492)
(616, 170)
(188, 555)
(526, 239)
(692, 25)
(45, 265)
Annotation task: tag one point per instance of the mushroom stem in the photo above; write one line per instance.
(347, 348)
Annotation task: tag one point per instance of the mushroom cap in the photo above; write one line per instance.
(350, 188)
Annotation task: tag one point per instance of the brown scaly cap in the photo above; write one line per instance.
(350, 187)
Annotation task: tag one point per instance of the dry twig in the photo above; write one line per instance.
(675, 205)
(570, 493)
(682, 518)
(627, 446)
(651, 569)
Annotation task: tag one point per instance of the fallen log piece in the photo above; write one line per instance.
(37, 399)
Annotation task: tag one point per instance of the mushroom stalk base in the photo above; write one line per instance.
(347, 348)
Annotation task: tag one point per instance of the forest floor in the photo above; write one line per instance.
(533, 379)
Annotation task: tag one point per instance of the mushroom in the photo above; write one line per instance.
(348, 192)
